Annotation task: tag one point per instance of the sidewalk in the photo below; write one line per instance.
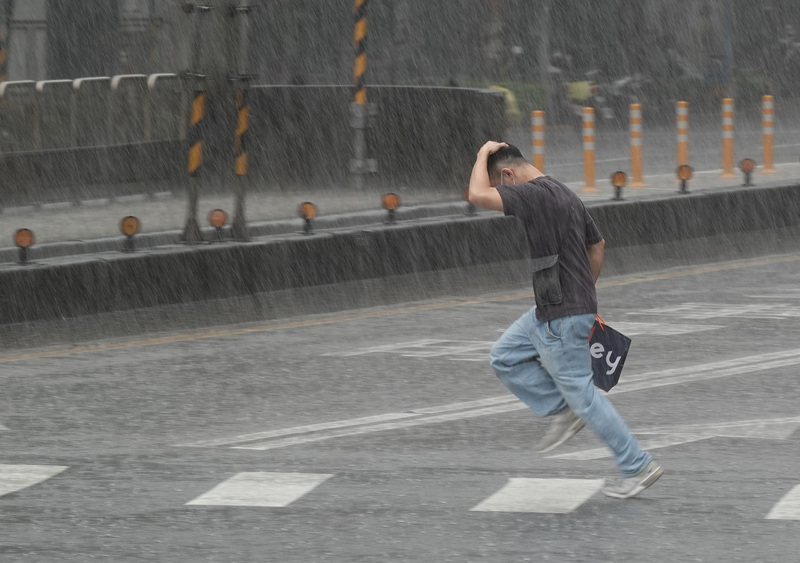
(100, 219)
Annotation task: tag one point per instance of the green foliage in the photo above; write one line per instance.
(529, 96)
(750, 86)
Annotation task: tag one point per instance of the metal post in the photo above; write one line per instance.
(359, 109)
(240, 154)
(5, 26)
(191, 231)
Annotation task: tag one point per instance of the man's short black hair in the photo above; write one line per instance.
(506, 156)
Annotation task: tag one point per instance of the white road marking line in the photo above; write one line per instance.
(771, 429)
(3, 428)
(387, 348)
(17, 477)
(543, 496)
(261, 489)
(323, 426)
(660, 379)
(659, 329)
(648, 445)
(242, 438)
(467, 349)
(788, 508)
(270, 445)
(502, 404)
(705, 311)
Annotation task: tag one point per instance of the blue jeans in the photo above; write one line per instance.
(548, 366)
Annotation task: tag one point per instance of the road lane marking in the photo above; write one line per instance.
(436, 419)
(281, 438)
(364, 315)
(771, 429)
(543, 496)
(478, 350)
(17, 477)
(788, 508)
(366, 420)
(660, 329)
(261, 489)
(706, 311)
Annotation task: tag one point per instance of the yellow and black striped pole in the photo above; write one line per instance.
(3, 55)
(241, 15)
(359, 109)
(191, 232)
(5, 18)
(240, 161)
(242, 126)
(195, 135)
(360, 43)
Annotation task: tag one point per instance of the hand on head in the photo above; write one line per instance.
(491, 147)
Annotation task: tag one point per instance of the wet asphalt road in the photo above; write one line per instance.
(145, 449)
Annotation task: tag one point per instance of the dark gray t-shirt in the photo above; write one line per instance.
(559, 230)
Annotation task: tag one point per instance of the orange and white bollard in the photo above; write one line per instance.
(636, 146)
(768, 112)
(682, 115)
(537, 139)
(727, 139)
(588, 151)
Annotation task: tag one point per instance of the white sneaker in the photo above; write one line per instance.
(564, 426)
(632, 486)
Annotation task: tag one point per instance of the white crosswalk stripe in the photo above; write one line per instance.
(281, 489)
(261, 489)
(543, 496)
(14, 478)
(788, 508)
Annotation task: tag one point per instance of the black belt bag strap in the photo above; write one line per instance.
(546, 280)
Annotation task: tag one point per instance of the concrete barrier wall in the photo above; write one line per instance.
(92, 137)
(430, 257)
(418, 136)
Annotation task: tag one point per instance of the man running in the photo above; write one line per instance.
(544, 358)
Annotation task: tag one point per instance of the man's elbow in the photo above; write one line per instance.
(596, 252)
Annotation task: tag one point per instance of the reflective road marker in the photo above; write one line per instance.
(544, 496)
(261, 489)
(788, 508)
(17, 477)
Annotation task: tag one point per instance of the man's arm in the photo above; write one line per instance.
(481, 192)
(596, 254)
